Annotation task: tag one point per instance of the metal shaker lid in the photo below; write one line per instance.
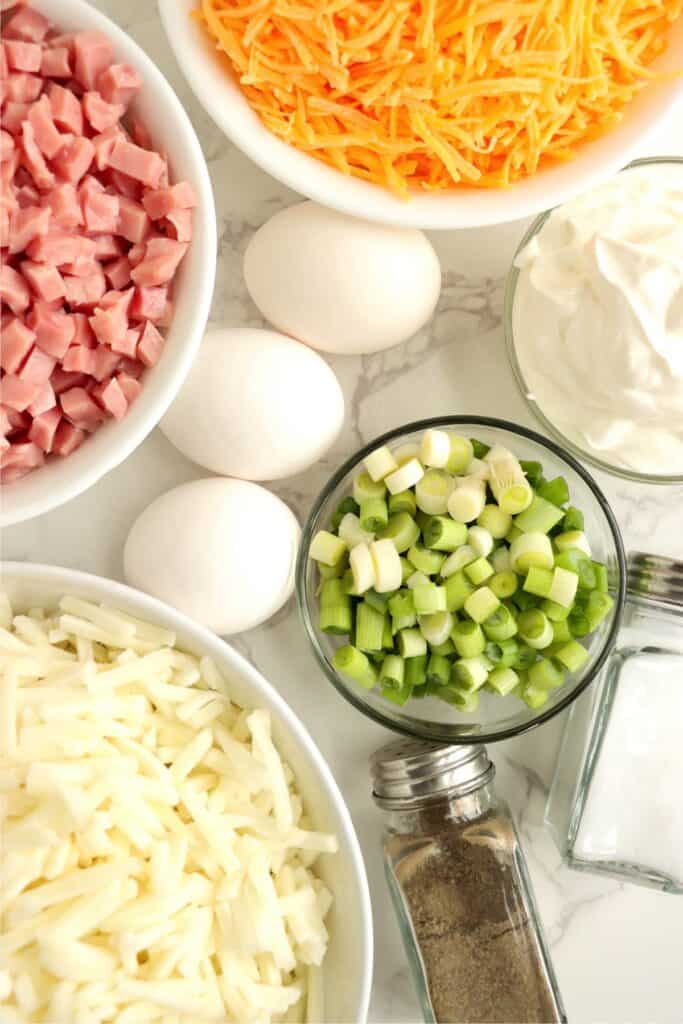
(655, 578)
(407, 772)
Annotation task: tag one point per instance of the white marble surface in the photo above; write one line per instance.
(616, 948)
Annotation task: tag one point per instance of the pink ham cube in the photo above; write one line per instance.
(22, 56)
(93, 54)
(28, 24)
(45, 280)
(111, 397)
(66, 109)
(80, 408)
(26, 223)
(119, 84)
(150, 345)
(38, 367)
(100, 114)
(16, 343)
(162, 256)
(44, 428)
(67, 438)
(13, 289)
(54, 329)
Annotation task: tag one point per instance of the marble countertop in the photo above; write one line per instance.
(616, 947)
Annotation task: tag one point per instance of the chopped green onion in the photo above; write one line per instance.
(399, 697)
(479, 449)
(481, 604)
(336, 615)
(509, 486)
(405, 452)
(369, 628)
(572, 540)
(535, 629)
(462, 452)
(502, 681)
(356, 665)
(576, 561)
(478, 571)
(438, 670)
(426, 561)
(415, 671)
(493, 519)
(561, 632)
(463, 700)
(573, 519)
(418, 579)
(533, 472)
(392, 672)
(435, 449)
(386, 564)
(444, 534)
(501, 625)
(458, 559)
(533, 696)
(468, 638)
(555, 612)
(539, 517)
(471, 673)
(327, 548)
(429, 598)
(432, 492)
(523, 600)
(563, 587)
(404, 501)
(513, 533)
(458, 589)
(526, 657)
(362, 568)
(500, 559)
(579, 623)
(407, 569)
(599, 607)
(374, 514)
(329, 572)
(407, 475)
(379, 463)
(504, 653)
(387, 635)
(600, 571)
(377, 601)
(346, 505)
(401, 605)
(503, 584)
(573, 656)
(365, 488)
(555, 491)
(447, 648)
(436, 627)
(546, 675)
(411, 643)
(351, 531)
(402, 530)
(481, 540)
(531, 549)
(538, 581)
(466, 502)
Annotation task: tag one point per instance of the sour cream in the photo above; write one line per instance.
(598, 319)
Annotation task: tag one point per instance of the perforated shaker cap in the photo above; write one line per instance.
(406, 772)
(655, 578)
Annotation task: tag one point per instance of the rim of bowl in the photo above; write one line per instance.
(450, 209)
(121, 447)
(160, 611)
(394, 435)
(508, 308)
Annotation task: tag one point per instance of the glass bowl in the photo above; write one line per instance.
(497, 717)
(570, 444)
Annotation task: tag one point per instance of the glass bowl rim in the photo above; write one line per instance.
(351, 463)
(508, 306)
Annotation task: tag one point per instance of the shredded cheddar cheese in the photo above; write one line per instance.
(431, 94)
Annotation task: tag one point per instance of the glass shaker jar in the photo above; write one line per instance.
(459, 883)
(614, 804)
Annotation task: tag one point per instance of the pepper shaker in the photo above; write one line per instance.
(460, 887)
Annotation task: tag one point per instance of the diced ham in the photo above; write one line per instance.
(108, 247)
(19, 459)
(83, 266)
(4, 70)
(119, 84)
(104, 143)
(106, 362)
(74, 159)
(128, 344)
(57, 247)
(22, 56)
(45, 280)
(16, 393)
(123, 184)
(26, 224)
(38, 367)
(80, 359)
(100, 114)
(54, 329)
(110, 319)
(62, 380)
(44, 428)
(33, 160)
(48, 139)
(138, 163)
(100, 211)
(13, 114)
(178, 225)
(117, 272)
(65, 207)
(93, 54)
(19, 421)
(21, 87)
(162, 256)
(130, 386)
(13, 289)
(28, 24)
(85, 292)
(150, 345)
(110, 396)
(66, 109)
(148, 303)
(160, 202)
(17, 342)
(6, 145)
(67, 439)
(83, 332)
(133, 224)
(56, 63)
(44, 400)
(27, 195)
(80, 408)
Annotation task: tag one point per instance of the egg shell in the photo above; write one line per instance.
(221, 551)
(341, 284)
(256, 405)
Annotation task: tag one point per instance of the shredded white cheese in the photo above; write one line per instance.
(155, 861)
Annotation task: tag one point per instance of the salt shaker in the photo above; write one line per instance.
(459, 883)
(614, 805)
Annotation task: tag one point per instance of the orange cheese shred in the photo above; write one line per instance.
(437, 94)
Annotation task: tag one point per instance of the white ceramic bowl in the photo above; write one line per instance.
(158, 107)
(208, 75)
(348, 964)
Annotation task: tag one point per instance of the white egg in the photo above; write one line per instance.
(221, 551)
(341, 284)
(256, 405)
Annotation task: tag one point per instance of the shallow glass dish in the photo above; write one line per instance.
(497, 717)
(508, 323)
